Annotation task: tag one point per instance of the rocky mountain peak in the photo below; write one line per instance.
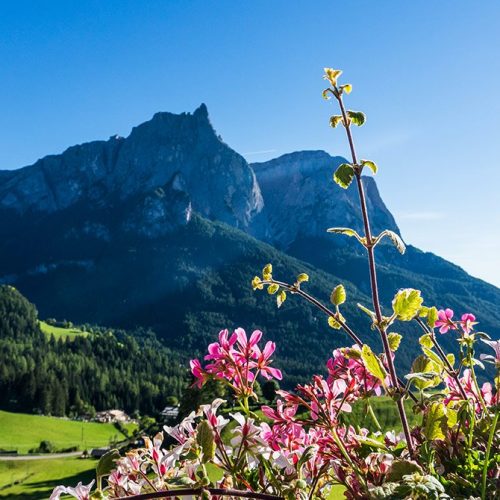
(301, 200)
(217, 180)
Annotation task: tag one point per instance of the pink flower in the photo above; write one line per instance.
(263, 361)
(237, 360)
(81, 492)
(198, 372)
(445, 322)
(467, 323)
(495, 345)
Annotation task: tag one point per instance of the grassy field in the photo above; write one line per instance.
(35, 479)
(60, 333)
(386, 412)
(22, 432)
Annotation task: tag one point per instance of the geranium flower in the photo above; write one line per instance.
(467, 323)
(445, 322)
(495, 345)
(81, 492)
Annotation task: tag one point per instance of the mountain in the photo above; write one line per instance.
(166, 228)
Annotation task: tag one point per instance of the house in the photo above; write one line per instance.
(112, 416)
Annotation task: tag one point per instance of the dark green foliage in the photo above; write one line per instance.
(106, 369)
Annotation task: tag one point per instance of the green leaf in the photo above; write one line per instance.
(335, 120)
(272, 289)
(206, 440)
(106, 464)
(332, 75)
(347, 88)
(367, 311)
(267, 271)
(333, 323)
(451, 358)
(326, 94)
(396, 240)
(435, 421)
(370, 164)
(373, 363)
(426, 341)
(338, 295)
(257, 283)
(280, 298)
(422, 365)
(406, 304)
(344, 175)
(432, 317)
(347, 231)
(357, 117)
(433, 356)
(302, 277)
(400, 468)
(394, 340)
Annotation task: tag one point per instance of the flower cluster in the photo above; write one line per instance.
(238, 361)
(445, 322)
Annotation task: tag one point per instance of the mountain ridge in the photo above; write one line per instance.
(171, 236)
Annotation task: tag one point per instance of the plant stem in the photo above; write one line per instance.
(373, 279)
(329, 312)
(442, 355)
(370, 411)
(487, 455)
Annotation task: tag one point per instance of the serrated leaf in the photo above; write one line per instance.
(257, 283)
(423, 364)
(432, 317)
(280, 298)
(373, 363)
(406, 304)
(400, 468)
(302, 277)
(338, 295)
(357, 117)
(394, 340)
(206, 440)
(332, 75)
(272, 289)
(335, 120)
(333, 323)
(435, 421)
(426, 341)
(107, 463)
(344, 175)
(370, 164)
(267, 271)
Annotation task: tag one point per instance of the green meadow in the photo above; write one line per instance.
(22, 432)
(35, 479)
(61, 333)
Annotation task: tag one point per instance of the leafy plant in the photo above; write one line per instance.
(304, 445)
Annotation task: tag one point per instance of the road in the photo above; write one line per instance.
(39, 457)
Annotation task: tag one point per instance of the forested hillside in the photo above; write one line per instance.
(104, 369)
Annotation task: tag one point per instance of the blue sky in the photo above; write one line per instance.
(426, 74)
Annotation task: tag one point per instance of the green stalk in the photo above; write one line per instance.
(487, 455)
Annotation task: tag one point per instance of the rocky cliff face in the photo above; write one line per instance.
(301, 200)
(180, 152)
